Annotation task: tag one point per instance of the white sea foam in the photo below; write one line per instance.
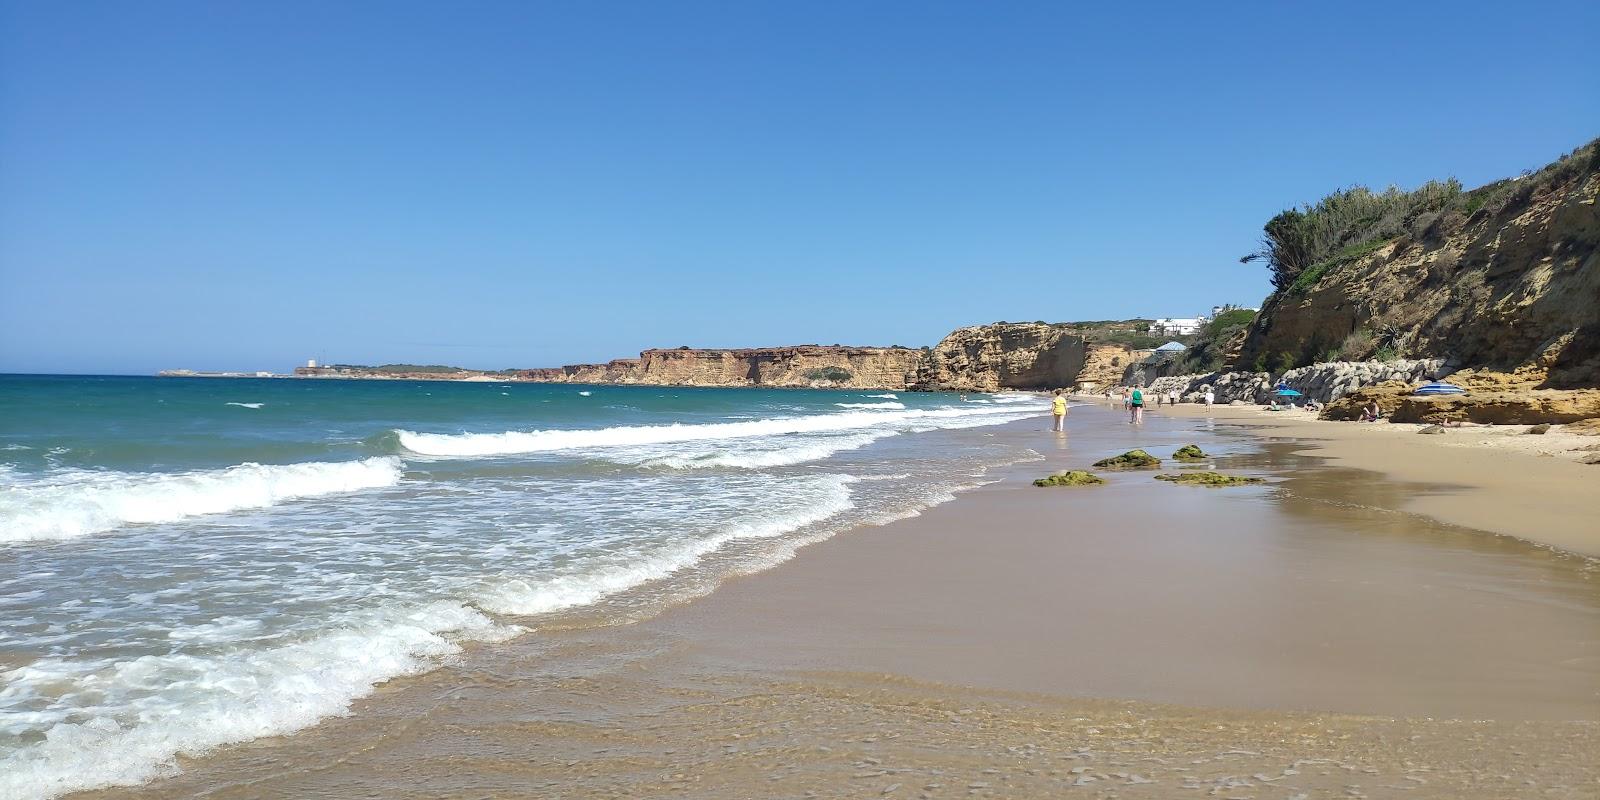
(886, 396)
(889, 405)
(468, 445)
(67, 504)
(246, 405)
(585, 393)
(521, 597)
(187, 705)
(780, 454)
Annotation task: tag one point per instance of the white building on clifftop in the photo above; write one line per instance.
(1177, 326)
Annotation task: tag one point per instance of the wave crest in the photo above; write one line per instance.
(469, 445)
(76, 503)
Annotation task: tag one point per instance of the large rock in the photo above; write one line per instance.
(1492, 399)
(1209, 479)
(1133, 459)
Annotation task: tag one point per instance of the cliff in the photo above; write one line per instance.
(799, 366)
(981, 358)
(1027, 355)
(1501, 278)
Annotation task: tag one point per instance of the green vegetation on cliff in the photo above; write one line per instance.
(1489, 276)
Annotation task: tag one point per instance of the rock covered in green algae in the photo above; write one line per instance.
(1133, 459)
(1210, 479)
(1075, 477)
(1190, 452)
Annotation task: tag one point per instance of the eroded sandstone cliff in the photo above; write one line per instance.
(799, 366)
(1025, 355)
(980, 358)
(1515, 282)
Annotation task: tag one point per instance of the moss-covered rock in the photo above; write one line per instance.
(1210, 479)
(1190, 452)
(1076, 477)
(1133, 459)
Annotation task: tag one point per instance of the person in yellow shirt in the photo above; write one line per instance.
(1058, 408)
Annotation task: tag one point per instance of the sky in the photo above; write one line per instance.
(232, 185)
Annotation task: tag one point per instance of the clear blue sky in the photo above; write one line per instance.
(226, 185)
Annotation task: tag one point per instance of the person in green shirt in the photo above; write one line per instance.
(1136, 404)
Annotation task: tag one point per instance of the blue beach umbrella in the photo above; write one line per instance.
(1438, 387)
(1287, 392)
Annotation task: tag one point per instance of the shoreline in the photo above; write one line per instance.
(989, 647)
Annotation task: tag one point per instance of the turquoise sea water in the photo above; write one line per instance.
(186, 563)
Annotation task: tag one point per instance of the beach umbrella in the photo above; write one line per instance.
(1287, 392)
(1439, 387)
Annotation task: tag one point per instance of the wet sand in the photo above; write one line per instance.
(1312, 637)
(1511, 483)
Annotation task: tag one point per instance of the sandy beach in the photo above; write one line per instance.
(1318, 636)
(1510, 482)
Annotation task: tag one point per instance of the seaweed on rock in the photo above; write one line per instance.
(1076, 477)
(1133, 459)
(1210, 479)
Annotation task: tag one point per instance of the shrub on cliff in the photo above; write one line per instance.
(834, 374)
(1300, 244)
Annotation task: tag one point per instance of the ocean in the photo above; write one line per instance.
(187, 563)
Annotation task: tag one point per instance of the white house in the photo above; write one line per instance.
(1177, 326)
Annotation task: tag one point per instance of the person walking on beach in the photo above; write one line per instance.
(1172, 397)
(1136, 406)
(1211, 396)
(1058, 409)
(1127, 401)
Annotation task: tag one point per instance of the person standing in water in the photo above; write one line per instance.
(1058, 409)
(1136, 405)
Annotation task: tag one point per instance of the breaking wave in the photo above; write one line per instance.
(72, 503)
(467, 445)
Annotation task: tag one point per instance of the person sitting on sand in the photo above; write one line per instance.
(1058, 409)
(1372, 413)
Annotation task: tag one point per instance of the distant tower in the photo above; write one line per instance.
(312, 363)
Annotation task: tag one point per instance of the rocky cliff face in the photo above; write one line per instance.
(1019, 355)
(800, 366)
(982, 358)
(1515, 283)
